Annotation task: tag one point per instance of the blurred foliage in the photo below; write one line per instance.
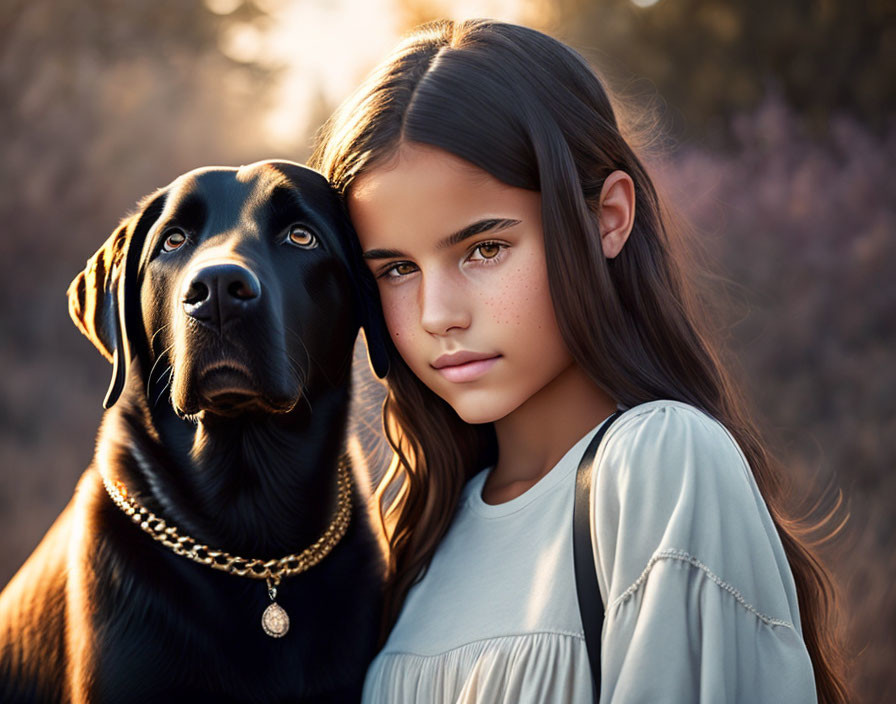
(713, 59)
(803, 232)
(710, 60)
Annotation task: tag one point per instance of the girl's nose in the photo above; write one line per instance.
(443, 304)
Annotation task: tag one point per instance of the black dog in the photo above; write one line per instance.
(229, 305)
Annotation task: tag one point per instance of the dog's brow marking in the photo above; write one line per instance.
(271, 175)
(187, 183)
(281, 206)
(271, 199)
(191, 211)
(277, 179)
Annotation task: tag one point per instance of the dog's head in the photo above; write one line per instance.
(238, 287)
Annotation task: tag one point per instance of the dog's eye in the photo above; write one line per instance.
(301, 237)
(174, 240)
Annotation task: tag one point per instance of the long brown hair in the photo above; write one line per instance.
(531, 112)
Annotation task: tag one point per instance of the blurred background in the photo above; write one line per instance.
(772, 129)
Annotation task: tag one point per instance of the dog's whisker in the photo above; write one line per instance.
(322, 367)
(300, 379)
(294, 371)
(301, 371)
(308, 357)
(159, 359)
(291, 332)
(153, 338)
(167, 386)
(151, 371)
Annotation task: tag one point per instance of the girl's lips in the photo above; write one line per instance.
(468, 371)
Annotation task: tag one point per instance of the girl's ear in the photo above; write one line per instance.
(616, 212)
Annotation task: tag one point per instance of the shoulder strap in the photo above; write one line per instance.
(590, 605)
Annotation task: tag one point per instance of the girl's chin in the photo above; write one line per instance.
(478, 418)
(485, 411)
(487, 401)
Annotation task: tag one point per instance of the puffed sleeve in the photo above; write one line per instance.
(700, 600)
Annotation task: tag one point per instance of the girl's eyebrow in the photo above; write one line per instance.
(476, 228)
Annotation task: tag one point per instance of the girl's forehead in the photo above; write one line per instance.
(426, 192)
(421, 164)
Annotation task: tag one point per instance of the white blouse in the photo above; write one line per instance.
(700, 600)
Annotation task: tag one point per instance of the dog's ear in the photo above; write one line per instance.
(364, 289)
(365, 293)
(103, 300)
(372, 320)
(367, 297)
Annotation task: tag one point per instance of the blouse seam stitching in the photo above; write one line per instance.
(660, 405)
(569, 634)
(675, 554)
(701, 415)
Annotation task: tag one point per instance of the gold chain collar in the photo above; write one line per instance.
(274, 620)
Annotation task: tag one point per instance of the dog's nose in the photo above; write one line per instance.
(217, 293)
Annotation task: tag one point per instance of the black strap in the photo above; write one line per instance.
(590, 605)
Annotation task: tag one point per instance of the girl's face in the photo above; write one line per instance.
(459, 261)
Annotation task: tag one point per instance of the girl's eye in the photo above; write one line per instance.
(301, 237)
(397, 270)
(175, 239)
(488, 250)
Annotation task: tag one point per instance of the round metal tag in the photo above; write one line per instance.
(275, 621)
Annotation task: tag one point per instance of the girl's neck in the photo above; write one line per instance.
(533, 438)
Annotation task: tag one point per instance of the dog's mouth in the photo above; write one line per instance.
(228, 388)
(228, 372)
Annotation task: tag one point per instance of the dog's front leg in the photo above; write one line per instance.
(81, 588)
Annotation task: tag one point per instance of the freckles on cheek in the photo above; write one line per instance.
(518, 301)
(398, 319)
(400, 322)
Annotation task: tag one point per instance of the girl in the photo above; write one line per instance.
(530, 288)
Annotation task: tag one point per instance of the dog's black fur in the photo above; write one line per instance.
(229, 305)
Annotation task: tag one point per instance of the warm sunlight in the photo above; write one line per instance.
(318, 72)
